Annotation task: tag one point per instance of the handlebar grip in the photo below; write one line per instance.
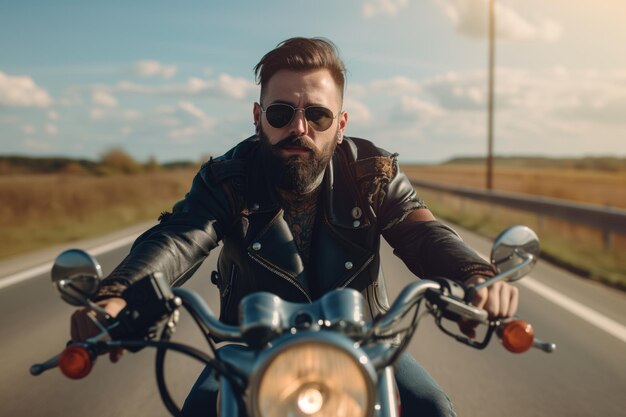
(456, 308)
(453, 300)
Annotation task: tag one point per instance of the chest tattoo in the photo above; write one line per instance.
(300, 213)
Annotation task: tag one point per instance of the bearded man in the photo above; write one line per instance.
(300, 208)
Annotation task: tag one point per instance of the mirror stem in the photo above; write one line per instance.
(472, 290)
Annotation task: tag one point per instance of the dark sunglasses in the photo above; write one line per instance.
(280, 115)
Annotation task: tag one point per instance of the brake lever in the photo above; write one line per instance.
(491, 329)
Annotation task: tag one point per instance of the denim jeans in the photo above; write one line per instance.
(419, 393)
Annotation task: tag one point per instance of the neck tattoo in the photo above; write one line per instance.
(299, 213)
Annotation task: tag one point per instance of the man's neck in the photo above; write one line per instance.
(290, 197)
(300, 212)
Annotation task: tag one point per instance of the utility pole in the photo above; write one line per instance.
(492, 41)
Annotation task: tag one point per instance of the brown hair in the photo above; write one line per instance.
(301, 54)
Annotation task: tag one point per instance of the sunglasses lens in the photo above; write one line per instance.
(320, 118)
(279, 115)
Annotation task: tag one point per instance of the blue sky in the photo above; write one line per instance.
(173, 80)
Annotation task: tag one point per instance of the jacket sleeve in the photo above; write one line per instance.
(428, 248)
(180, 242)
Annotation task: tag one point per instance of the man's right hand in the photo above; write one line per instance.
(83, 327)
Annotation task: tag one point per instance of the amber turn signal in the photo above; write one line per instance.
(517, 336)
(75, 362)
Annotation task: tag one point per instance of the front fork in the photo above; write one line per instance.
(388, 401)
(227, 403)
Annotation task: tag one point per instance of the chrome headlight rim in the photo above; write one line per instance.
(328, 339)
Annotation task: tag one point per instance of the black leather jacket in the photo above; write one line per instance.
(364, 196)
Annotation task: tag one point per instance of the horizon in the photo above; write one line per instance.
(175, 82)
(471, 159)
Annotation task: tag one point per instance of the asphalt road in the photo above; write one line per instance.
(586, 376)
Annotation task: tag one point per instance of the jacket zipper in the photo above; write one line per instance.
(282, 275)
(226, 294)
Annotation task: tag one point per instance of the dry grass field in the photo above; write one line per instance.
(586, 186)
(576, 247)
(44, 209)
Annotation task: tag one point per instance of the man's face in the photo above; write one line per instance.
(298, 151)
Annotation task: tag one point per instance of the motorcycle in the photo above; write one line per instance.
(291, 359)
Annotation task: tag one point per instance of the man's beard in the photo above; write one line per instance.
(298, 174)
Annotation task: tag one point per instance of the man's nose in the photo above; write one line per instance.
(299, 125)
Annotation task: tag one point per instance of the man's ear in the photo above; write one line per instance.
(343, 122)
(256, 114)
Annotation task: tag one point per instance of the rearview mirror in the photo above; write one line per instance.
(515, 249)
(76, 275)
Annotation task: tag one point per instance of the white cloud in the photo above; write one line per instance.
(103, 98)
(470, 17)
(28, 129)
(395, 86)
(456, 91)
(415, 109)
(184, 134)
(203, 126)
(553, 112)
(225, 86)
(190, 108)
(151, 68)
(130, 115)
(358, 112)
(52, 115)
(236, 88)
(21, 91)
(373, 8)
(97, 114)
(51, 129)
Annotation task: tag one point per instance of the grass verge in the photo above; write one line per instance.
(576, 248)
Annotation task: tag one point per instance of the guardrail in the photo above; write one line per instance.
(609, 220)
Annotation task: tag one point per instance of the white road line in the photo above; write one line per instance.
(42, 269)
(608, 325)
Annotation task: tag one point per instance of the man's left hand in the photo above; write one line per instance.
(499, 300)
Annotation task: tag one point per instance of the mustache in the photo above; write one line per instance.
(292, 141)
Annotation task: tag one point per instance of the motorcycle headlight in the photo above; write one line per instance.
(316, 379)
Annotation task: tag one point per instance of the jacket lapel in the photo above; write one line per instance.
(273, 248)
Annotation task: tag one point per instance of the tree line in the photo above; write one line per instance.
(112, 162)
(592, 163)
